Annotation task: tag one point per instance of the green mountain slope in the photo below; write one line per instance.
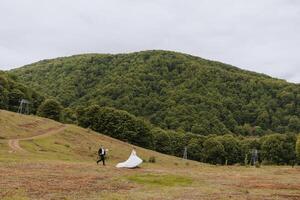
(171, 90)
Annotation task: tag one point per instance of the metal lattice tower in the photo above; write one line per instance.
(185, 153)
(24, 107)
(254, 156)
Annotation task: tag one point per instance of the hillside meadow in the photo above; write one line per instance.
(57, 161)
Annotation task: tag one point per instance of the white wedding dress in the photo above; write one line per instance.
(132, 162)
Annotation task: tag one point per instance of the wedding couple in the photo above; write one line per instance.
(132, 162)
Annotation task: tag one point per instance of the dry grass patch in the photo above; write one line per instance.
(14, 125)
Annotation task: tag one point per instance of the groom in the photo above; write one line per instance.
(101, 154)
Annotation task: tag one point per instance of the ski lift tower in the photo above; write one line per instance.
(185, 153)
(24, 107)
(254, 156)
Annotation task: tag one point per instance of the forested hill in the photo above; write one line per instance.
(172, 90)
(11, 92)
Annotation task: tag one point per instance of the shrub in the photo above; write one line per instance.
(257, 165)
(152, 159)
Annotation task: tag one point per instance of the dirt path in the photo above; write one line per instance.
(14, 143)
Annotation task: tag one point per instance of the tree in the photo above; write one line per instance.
(195, 147)
(177, 142)
(203, 128)
(289, 146)
(245, 130)
(68, 116)
(263, 120)
(198, 129)
(294, 124)
(116, 123)
(271, 148)
(14, 98)
(162, 141)
(232, 148)
(278, 149)
(298, 149)
(51, 109)
(247, 145)
(12, 92)
(213, 151)
(3, 98)
(3, 81)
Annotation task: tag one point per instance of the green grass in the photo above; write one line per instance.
(161, 180)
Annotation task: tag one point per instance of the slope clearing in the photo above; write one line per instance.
(57, 161)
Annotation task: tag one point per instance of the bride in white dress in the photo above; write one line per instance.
(132, 162)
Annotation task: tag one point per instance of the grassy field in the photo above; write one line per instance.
(59, 162)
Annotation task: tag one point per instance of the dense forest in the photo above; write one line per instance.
(171, 90)
(12, 92)
(215, 149)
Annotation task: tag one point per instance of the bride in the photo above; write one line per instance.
(132, 162)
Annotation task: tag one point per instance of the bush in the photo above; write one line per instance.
(152, 159)
(257, 165)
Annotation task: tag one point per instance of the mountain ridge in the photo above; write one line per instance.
(150, 51)
(170, 89)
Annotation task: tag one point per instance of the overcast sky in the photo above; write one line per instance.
(258, 35)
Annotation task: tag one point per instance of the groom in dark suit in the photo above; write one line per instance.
(101, 154)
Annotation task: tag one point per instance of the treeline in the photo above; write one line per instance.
(12, 92)
(215, 149)
(228, 149)
(173, 91)
(117, 124)
(225, 149)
